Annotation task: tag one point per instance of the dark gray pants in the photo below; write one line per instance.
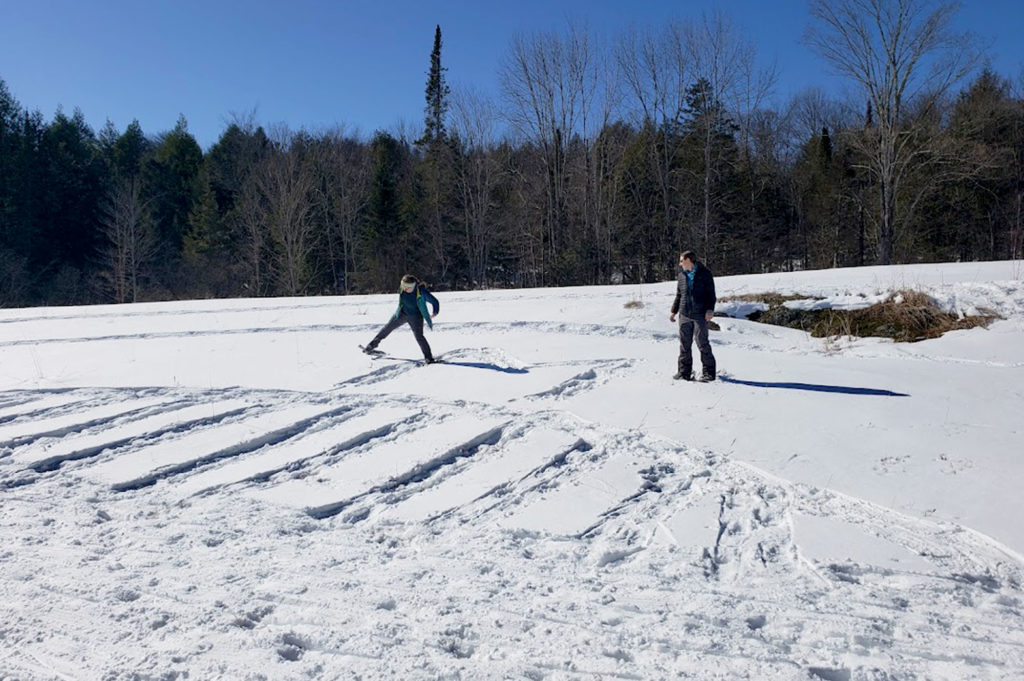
(687, 329)
(415, 322)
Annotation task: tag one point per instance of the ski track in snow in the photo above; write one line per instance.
(610, 553)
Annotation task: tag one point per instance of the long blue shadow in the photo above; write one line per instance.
(485, 365)
(813, 387)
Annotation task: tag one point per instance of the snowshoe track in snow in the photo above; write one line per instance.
(424, 524)
(522, 469)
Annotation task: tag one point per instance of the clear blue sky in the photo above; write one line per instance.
(363, 63)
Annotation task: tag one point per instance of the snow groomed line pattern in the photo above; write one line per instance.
(263, 431)
(176, 418)
(351, 430)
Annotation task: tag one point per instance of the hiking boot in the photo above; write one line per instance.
(371, 350)
(707, 376)
(683, 377)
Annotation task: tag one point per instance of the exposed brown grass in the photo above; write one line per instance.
(915, 317)
(773, 299)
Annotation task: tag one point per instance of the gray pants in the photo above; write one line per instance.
(415, 322)
(687, 330)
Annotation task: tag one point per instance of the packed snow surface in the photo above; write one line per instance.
(231, 490)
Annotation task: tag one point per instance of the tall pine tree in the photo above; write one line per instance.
(382, 246)
(437, 93)
(435, 174)
(171, 173)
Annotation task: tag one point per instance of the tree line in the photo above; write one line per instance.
(598, 164)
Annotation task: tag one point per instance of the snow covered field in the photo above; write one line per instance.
(230, 490)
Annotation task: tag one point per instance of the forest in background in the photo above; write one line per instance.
(597, 165)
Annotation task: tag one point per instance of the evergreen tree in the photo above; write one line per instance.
(204, 220)
(710, 157)
(72, 192)
(437, 93)
(27, 188)
(127, 239)
(826, 147)
(10, 143)
(217, 230)
(171, 173)
(14, 274)
(639, 242)
(383, 247)
(434, 179)
(130, 150)
(987, 126)
(230, 161)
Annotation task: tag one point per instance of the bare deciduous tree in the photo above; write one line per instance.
(811, 110)
(661, 71)
(473, 122)
(131, 244)
(346, 174)
(285, 180)
(601, 93)
(656, 73)
(898, 52)
(254, 230)
(724, 61)
(549, 84)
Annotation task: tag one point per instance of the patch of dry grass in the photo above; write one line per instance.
(906, 316)
(772, 299)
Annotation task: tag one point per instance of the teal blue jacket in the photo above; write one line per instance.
(416, 301)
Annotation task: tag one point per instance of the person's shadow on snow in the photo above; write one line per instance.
(485, 365)
(814, 387)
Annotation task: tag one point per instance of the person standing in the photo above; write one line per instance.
(695, 303)
(413, 297)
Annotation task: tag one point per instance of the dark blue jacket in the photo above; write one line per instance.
(693, 302)
(416, 301)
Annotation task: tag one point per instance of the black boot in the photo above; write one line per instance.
(684, 377)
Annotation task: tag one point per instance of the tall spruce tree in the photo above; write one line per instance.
(437, 93)
(436, 168)
(10, 141)
(72, 193)
(14, 285)
(171, 173)
(382, 246)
